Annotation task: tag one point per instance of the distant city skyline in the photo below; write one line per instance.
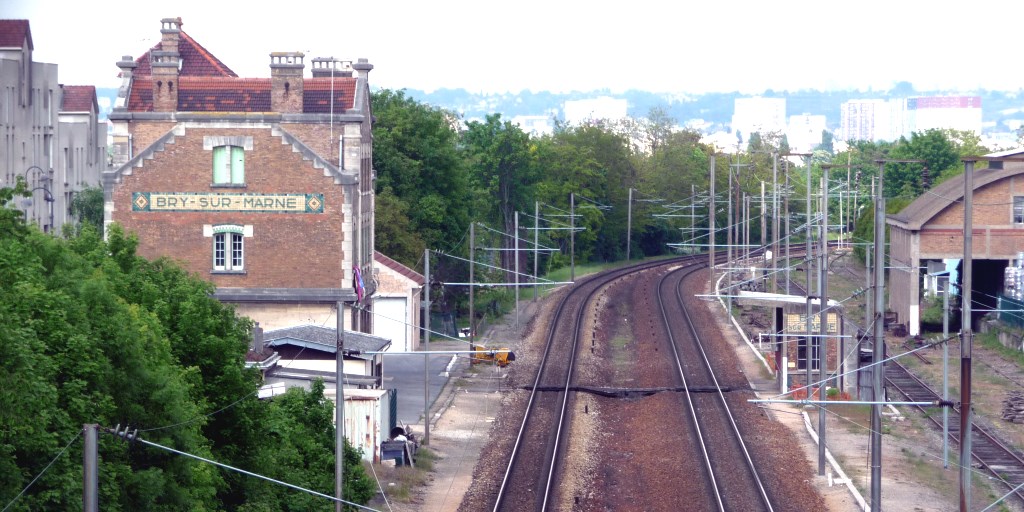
(742, 46)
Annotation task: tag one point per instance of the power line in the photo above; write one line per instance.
(41, 473)
(134, 437)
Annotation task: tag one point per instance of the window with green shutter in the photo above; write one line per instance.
(228, 165)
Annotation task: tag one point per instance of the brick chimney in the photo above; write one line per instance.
(286, 84)
(166, 63)
(326, 67)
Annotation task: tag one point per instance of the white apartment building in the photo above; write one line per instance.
(758, 114)
(877, 119)
(53, 137)
(804, 132)
(943, 112)
(869, 119)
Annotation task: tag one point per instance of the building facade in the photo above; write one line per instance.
(757, 114)
(397, 303)
(931, 229)
(868, 119)
(263, 186)
(52, 136)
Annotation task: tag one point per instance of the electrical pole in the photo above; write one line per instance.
(785, 208)
(775, 222)
(823, 328)
(90, 469)
(516, 266)
(711, 226)
(878, 352)
(728, 251)
(693, 214)
(966, 339)
(426, 297)
(764, 216)
(572, 237)
(339, 410)
(472, 267)
(945, 374)
(629, 223)
(536, 247)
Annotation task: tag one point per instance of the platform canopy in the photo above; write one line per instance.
(765, 299)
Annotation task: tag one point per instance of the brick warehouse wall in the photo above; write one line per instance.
(995, 235)
(286, 250)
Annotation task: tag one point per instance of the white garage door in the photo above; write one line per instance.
(389, 322)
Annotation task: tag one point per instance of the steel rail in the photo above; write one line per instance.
(748, 460)
(991, 453)
(588, 289)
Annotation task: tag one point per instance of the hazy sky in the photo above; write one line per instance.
(561, 45)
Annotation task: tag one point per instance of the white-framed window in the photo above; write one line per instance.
(228, 165)
(1018, 209)
(228, 248)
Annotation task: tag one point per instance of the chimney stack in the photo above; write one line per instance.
(286, 86)
(166, 63)
(362, 67)
(257, 339)
(326, 67)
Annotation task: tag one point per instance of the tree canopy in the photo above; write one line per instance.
(93, 333)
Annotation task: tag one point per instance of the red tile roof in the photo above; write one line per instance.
(205, 84)
(13, 34)
(195, 60)
(398, 267)
(317, 95)
(79, 98)
(223, 94)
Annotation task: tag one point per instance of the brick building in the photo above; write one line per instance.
(263, 186)
(931, 229)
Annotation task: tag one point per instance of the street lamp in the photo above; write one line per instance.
(46, 177)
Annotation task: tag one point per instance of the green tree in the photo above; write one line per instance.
(503, 173)
(416, 156)
(92, 333)
(87, 207)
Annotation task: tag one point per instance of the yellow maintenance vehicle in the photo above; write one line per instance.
(482, 354)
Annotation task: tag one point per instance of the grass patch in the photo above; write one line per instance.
(399, 482)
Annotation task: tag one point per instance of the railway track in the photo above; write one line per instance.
(987, 450)
(541, 434)
(669, 410)
(732, 477)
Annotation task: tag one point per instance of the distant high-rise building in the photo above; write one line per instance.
(804, 132)
(868, 119)
(757, 114)
(943, 112)
(535, 125)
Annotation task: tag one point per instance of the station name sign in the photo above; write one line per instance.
(226, 202)
(796, 323)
